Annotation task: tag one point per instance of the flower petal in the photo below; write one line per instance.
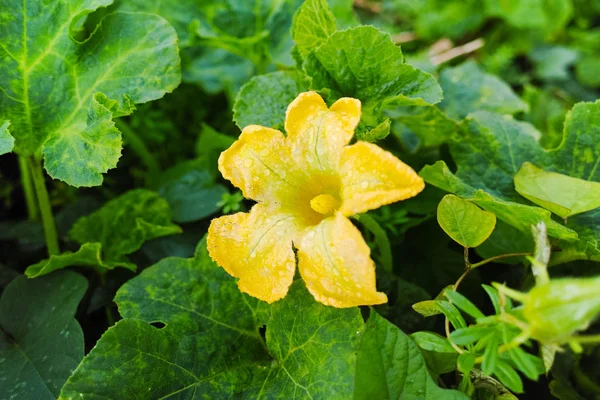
(256, 247)
(259, 164)
(335, 263)
(317, 134)
(373, 177)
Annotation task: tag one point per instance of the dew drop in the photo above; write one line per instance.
(248, 162)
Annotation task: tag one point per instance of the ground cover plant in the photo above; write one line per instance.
(320, 199)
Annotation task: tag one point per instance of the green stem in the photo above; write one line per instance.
(37, 174)
(383, 243)
(139, 147)
(27, 185)
(586, 339)
(489, 260)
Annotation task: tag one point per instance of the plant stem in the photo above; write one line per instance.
(586, 339)
(139, 147)
(383, 243)
(28, 191)
(488, 260)
(37, 174)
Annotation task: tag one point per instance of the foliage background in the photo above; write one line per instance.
(179, 326)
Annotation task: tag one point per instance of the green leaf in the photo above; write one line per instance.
(546, 16)
(467, 89)
(528, 364)
(428, 123)
(490, 354)
(579, 153)
(312, 348)
(88, 255)
(265, 99)
(123, 224)
(452, 313)
(432, 342)
(385, 357)
(439, 354)
(313, 24)
(129, 59)
(561, 194)
(469, 335)
(379, 132)
(518, 215)
(547, 112)
(117, 229)
(553, 62)
(40, 341)
(7, 142)
(443, 18)
(464, 222)
(586, 71)
(465, 362)
(508, 376)
(494, 297)
(464, 304)
(364, 63)
(427, 308)
(491, 149)
(191, 191)
(506, 239)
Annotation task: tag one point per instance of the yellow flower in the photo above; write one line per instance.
(306, 185)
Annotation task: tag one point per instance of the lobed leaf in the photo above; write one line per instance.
(60, 95)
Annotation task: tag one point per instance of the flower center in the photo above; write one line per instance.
(324, 204)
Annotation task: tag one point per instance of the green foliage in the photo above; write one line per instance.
(128, 59)
(40, 341)
(385, 354)
(494, 102)
(117, 229)
(467, 89)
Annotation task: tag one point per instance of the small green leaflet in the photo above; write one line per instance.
(7, 142)
(117, 229)
(561, 194)
(464, 222)
(467, 89)
(40, 341)
(385, 356)
(60, 95)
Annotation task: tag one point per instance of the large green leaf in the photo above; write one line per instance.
(464, 222)
(117, 229)
(467, 88)
(265, 98)
(60, 95)
(519, 215)
(7, 142)
(211, 344)
(491, 149)
(563, 195)
(365, 64)
(40, 341)
(313, 24)
(391, 366)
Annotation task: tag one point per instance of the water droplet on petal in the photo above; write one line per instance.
(248, 162)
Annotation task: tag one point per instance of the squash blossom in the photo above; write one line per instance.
(306, 185)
